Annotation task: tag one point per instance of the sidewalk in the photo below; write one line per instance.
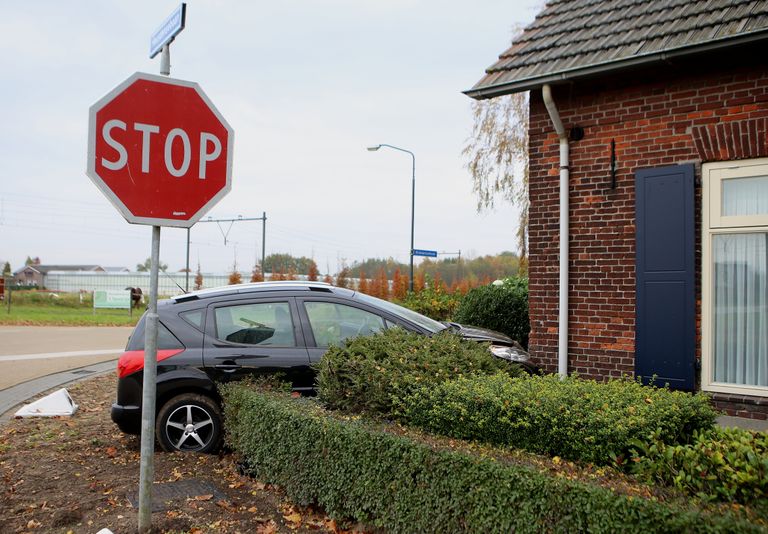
(742, 422)
(13, 397)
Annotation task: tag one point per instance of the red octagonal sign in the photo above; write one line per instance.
(159, 150)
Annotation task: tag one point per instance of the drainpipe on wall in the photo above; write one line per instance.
(562, 351)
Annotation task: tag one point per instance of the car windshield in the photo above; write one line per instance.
(409, 315)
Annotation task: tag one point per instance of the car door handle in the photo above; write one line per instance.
(228, 367)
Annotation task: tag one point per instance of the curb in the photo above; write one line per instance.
(13, 397)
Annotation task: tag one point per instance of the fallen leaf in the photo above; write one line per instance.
(267, 528)
(33, 524)
(203, 497)
(293, 520)
(226, 505)
(253, 509)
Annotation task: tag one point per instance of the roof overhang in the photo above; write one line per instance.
(611, 67)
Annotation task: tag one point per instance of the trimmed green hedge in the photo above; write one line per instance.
(722, 464)
(358, 471)
(572, 418)
(369, 372)
(503, 308)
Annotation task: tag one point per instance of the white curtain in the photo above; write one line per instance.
(740, 308)
(745, 196)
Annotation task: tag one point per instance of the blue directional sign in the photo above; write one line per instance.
(427, 253)
(168, 30)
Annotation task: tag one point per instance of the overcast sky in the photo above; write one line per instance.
(306, 85)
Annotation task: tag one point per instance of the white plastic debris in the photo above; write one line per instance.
(105, 531)
(57, 403)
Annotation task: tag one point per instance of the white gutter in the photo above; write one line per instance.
(562, 351)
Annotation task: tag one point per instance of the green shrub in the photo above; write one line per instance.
(367, 373)
(719, 464)
(572, 418)
(52, 298)
(395, 482)
(503, 308)
(434, 303)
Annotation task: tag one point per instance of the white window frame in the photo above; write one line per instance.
(714, 223)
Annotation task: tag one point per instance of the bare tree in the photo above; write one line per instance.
(256, 274)
(198, 278)
(235, 277)
(313, 273)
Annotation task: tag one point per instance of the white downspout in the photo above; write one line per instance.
(562, 351)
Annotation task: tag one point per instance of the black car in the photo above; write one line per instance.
(223, 334)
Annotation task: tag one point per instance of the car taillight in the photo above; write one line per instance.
(133, 360)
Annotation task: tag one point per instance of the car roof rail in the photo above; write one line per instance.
(255, 287)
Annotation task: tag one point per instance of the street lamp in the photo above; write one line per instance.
(413, 197)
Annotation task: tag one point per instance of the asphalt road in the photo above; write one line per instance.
(29, 352)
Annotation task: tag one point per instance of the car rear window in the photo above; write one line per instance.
(165, 339)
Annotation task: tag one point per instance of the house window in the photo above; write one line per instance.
(735, 277)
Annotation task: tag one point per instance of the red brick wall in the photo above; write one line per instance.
(690, 117)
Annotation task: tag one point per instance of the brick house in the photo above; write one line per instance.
(648, 222)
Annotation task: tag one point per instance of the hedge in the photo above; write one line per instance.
(573, 418)
(503, 308)
(359, 471)
(724, 464)
(369, 372)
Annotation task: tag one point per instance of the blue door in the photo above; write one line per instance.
(665, 328)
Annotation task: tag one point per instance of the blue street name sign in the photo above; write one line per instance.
(168, 30)
(427, 253)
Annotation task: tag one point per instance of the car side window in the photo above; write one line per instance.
(264, 324)
(194, 317)
(333, 323)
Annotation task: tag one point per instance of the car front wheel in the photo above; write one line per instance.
(189, 423)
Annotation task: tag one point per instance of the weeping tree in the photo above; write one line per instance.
(497, 158)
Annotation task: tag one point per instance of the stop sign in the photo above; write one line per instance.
(159, 150)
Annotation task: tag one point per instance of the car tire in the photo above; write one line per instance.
(189, 423)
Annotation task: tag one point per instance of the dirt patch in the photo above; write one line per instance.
(77, 474)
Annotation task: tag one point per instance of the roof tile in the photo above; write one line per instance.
(570, 35)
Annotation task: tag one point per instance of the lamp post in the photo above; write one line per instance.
(413, 197)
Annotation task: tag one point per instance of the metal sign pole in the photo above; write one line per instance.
(146, 469)
(186, 284)
(165, 61)
(263, 239)
(149, 387)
